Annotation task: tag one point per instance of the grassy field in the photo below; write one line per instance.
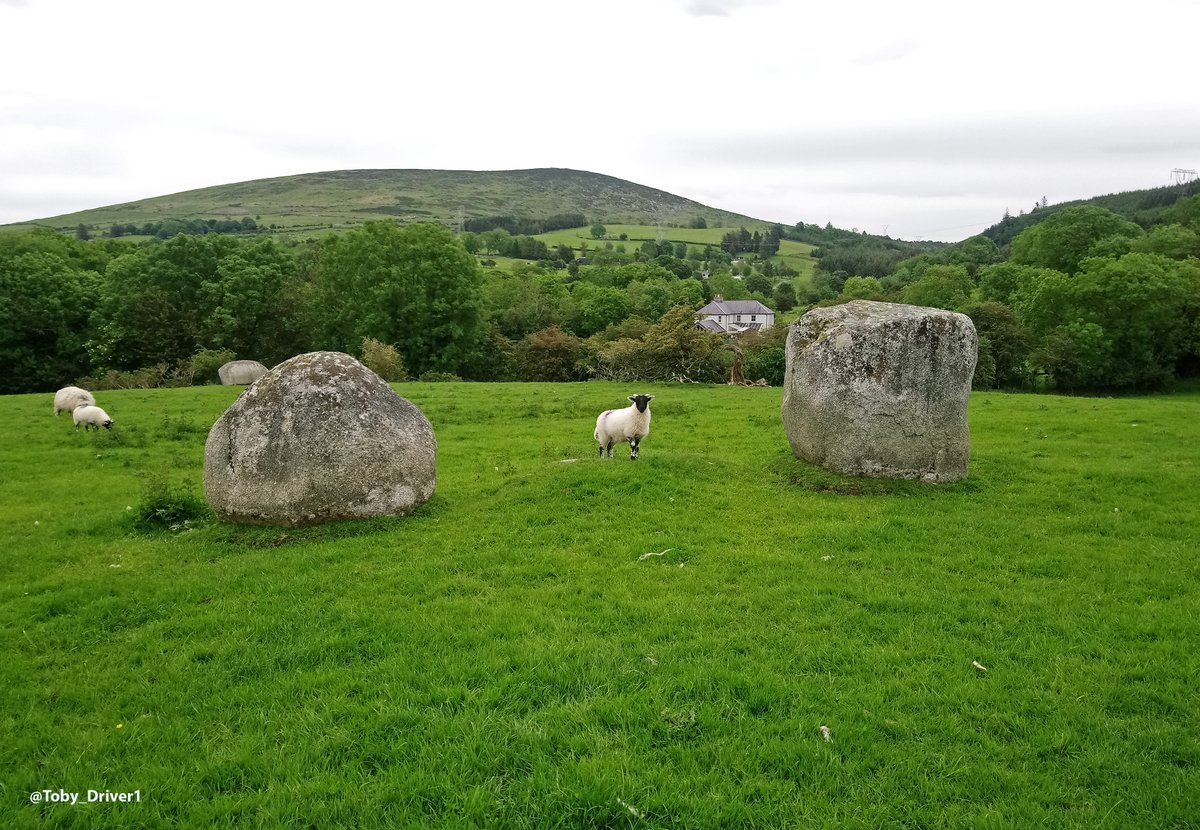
(637, 235)
(510, 657)
(798, 255)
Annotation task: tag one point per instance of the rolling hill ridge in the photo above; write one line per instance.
(338, 199)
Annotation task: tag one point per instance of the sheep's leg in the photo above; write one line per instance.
(610, 446)
(633, 448)
(601, 450)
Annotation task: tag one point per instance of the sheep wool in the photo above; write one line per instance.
(92, 417)
(69, 397)
(617, 426)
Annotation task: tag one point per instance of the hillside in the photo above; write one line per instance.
(1141, 206)
(316, 202)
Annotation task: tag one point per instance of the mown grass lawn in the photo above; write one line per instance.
(506, 657)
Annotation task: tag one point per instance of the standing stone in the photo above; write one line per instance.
(881, 389)
(241, 372)
(319, 438)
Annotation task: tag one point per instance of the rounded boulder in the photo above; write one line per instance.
(881, 389)
(241, 372)
(319, 438)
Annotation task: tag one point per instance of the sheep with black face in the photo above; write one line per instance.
(631, 424)
(92, 417)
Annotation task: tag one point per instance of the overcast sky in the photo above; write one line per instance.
(922, 120)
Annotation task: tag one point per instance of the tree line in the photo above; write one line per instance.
(168, 228)
(111, 311)
(522, 226)
(742, 241)
(1085, 299)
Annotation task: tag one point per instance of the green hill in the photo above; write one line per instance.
(1144, 207)
(319, 202)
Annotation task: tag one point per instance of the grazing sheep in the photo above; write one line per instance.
(632, 424)
(69, 397)
(91, 416)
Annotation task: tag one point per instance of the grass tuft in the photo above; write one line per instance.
(172, 506)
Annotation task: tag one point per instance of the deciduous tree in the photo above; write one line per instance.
(1065, 238)
(414, 286)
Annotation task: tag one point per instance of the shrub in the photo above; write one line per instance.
(765, 355)
(383, 360)
(439, 377)
(985, 366)
(150, 377)
(206, 362)
(672, 349)
(549, 355)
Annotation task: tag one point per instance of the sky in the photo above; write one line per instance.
(918, 120)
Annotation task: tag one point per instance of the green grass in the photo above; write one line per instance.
(637, 235)
(505, 658)
(798, 255)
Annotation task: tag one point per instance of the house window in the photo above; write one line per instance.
(739, 318)
(753, 317)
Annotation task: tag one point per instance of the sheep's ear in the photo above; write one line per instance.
(633, 398)
(649, 397)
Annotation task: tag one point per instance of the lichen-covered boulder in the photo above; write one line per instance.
(241, 372)
(319, 438)
(881, 389)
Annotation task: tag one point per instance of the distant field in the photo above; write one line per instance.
(636, 233)
(798, 255)
(510, 656)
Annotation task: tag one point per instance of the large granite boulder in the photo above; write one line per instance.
(241, 372)
(318, 438)
(881, 389)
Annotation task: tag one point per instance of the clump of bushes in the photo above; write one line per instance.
(765, 355)
(673, 349)
(383, 360)
(158, 376)
(549, 355)
(439, 377)
(206, 362)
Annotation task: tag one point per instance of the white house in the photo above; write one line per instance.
(732, 316)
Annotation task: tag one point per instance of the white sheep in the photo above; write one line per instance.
(69, 397)
(632, 424)
(91, 416)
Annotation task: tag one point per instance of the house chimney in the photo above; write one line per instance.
(717, 298)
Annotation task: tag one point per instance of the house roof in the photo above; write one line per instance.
(719, 305)
(711, 325)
